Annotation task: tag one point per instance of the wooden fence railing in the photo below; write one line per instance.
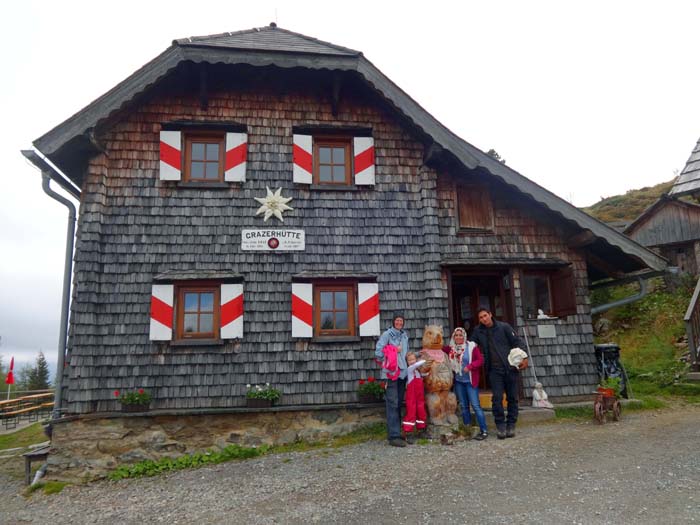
(692, 327)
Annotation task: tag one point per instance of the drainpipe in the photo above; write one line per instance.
(47, 174)
(621, 302)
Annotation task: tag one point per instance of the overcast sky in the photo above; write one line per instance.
(588, 99)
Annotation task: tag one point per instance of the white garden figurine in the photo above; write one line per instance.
(540, 398)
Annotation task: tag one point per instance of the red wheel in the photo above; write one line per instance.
(617, 410)
(599, 412)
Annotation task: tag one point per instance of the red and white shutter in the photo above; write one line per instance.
(231, 311)
(303, 159)
(368, 310)
(161, 312)
(302, 309)
(236, 156)
(170, 155)
(363, 161)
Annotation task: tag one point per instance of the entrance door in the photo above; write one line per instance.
(472, 291)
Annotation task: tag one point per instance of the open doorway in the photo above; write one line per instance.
(470, 291)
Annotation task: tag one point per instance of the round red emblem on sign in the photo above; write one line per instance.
(273, 243)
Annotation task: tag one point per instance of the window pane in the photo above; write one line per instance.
(338, 173)
(197, 151)
(206, 323)
(341, 300)
(197, 171)
(191, 302)
(325, 174)
(341, 320)
(324, 155)
(206, 302)
(338, 155)
(212, 170)
(212, 151)
(190, 323)
(326, 301)
(327, 321)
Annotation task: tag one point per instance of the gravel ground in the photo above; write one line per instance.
(644, 469)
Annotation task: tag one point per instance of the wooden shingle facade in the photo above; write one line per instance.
(441, 230)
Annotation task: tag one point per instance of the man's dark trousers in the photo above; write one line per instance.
(504, 380)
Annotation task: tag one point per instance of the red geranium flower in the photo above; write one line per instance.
(370, 379)
(362, 381)
(116, 393)
(141, 390)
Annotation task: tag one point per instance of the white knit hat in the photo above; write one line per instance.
(516, 356)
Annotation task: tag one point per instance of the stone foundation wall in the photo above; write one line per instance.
(89, 447)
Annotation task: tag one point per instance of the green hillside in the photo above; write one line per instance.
(627, 207)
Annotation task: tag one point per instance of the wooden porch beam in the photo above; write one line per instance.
(603, 266)
(581, 239)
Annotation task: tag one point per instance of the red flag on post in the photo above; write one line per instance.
(10, 379)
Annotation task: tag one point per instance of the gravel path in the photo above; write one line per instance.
(645, 469)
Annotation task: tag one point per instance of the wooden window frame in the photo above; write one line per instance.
(210, 137)
(333, 141)
(546, 275)
(484, 199)
(351, 289)
(561, 288)
(199, 287)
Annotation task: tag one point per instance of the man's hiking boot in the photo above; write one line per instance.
(397, 442)
(510, 432)
(501, 433)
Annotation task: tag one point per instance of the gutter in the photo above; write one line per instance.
(643, 291)
(47, 175)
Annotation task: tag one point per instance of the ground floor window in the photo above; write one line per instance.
(197, 312)
(335, 310)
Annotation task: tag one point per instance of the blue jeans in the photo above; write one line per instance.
(469, 395)
(504, 381)
(393, 397)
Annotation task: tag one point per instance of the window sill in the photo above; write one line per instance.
(204, 185)
(466, 232)
(336, 339)
(197, 342)
(336, 187)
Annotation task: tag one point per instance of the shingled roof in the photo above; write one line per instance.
(71, 141)
(688, 181)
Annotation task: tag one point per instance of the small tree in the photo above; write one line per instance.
(39, 376)
(494, 154)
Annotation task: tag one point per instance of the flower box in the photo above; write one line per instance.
(258, 403)
(132, 407)
(368, 398)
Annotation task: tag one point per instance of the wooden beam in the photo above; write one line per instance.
(203, 89)
(603, 266)
(581, 239)
(432, 153)
(335, 93)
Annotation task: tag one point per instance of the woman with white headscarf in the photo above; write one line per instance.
(466, 361)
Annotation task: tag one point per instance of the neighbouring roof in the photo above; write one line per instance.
(688, 182)
(285, 49)
(666, 221)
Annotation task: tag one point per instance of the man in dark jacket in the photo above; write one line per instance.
(496, 339)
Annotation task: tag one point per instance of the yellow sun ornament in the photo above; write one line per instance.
(273, 204)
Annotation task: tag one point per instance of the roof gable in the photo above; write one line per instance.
(688, 181)
(286, 49)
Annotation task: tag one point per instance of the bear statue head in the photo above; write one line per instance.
(432, 337)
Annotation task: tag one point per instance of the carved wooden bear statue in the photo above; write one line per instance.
(442, 404)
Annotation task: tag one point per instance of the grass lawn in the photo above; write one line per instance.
(14, 466)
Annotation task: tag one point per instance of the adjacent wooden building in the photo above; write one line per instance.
(180, 287)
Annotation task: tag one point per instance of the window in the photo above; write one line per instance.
(332, 161)
(475, 212)
(335, 310)
(552, 291)
(204, 157)
(197, 312)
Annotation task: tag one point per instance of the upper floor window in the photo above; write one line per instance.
(332, 161)
(475, 212)
(204, 157)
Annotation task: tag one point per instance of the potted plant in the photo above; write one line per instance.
(134, 401)
(370, 390)
(262, 396)
(610, 386)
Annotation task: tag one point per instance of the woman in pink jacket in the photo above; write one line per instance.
(466, 360)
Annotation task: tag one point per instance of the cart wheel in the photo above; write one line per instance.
(599, 412)
(617, 410)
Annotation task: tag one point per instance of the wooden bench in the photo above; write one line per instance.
(39, 454)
